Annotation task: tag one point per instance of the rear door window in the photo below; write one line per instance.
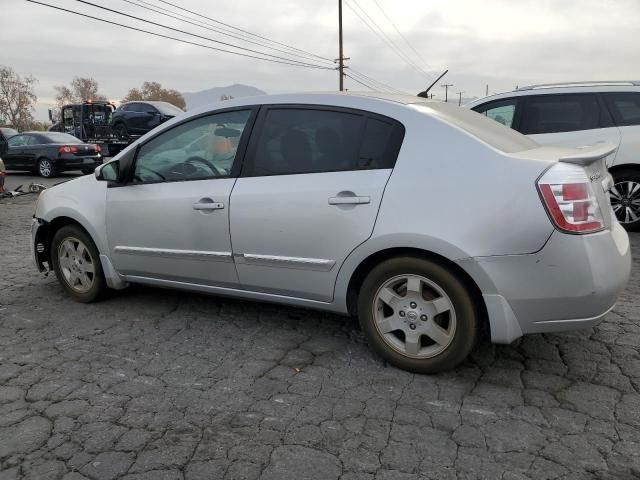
(624, 106)
(312, 140)
(562, 113)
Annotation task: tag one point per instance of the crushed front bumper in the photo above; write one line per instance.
(38, 245)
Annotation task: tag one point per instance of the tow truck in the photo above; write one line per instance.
(91, 122)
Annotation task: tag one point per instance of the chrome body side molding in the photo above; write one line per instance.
(173, 253)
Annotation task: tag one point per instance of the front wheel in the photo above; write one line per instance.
(46, 168)
(417, 315)
(76, 262)
(625, 198)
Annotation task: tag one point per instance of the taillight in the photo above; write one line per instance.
(68, 149)
(98, 149)
(569, 198)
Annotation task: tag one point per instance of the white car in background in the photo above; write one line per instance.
(578, 114)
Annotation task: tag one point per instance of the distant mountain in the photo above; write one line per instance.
(203, 97)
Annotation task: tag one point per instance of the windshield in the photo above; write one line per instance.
(167, 108)
(8, 132)
(483, 128)
(56, 137)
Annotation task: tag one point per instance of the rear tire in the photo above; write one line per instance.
(625, 197)
(76, 263)
(46, 168)
(417, 315)
(121, 131)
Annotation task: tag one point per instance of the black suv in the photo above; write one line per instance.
(137, 118)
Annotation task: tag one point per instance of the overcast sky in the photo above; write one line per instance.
(500, 42)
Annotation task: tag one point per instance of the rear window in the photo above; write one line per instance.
(625, 107)
(483, 128)
(167, 108)
(56, 137)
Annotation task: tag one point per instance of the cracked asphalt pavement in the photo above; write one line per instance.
(161, 385)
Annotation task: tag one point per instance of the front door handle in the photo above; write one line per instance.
(208, 204)
(350, 200)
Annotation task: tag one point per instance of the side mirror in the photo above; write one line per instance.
(109, 172)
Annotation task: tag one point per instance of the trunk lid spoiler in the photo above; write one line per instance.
(587, 155)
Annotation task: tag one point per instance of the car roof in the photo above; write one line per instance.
(565, 87)
(350, 99)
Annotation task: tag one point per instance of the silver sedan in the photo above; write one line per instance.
(429, 222)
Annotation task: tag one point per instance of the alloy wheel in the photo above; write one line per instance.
(76, 264)
(45, 168)
(414, 316)
(625, 200)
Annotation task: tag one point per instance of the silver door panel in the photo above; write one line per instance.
(289, 233)
(155, 231)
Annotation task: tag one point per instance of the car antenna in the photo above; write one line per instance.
(425, 94)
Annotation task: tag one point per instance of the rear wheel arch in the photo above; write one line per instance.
(369, 263)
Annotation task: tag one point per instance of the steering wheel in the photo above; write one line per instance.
(213, 168)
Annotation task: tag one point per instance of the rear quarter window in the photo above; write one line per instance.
(625, 107)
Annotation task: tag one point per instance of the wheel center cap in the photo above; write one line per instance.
(412, 315)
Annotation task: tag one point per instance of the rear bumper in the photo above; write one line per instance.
(78, 163)
(572, 283)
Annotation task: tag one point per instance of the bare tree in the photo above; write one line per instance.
(154, 91)
(17, 98)
(80, 90)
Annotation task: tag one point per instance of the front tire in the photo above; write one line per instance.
(417, 315)
(625, 198)
(46, 168)
(76, 262)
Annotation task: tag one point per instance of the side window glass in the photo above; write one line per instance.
(306, 141)
(32, 140)
(149, 109)
(501, 112)
(560, 113)
(380, 144)
(199, 149)
(625, 107)
(16, 141)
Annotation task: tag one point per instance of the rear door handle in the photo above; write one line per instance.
(352, 200)
(208, 204)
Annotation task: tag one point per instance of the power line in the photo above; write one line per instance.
(384, 37)
(201, 24)
(374, 81)
(192, 34)
(241, 30)
(399, 32)
(178, 39)
(361, 83)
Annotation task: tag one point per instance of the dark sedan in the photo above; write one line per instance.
(48, 153)
(137, 118)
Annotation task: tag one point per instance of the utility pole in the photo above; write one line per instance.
(460, 98)
(340, 57)
(486, 93)
(446, 90)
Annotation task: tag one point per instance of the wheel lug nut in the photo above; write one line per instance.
(412, 326)
(401, 313)
(423, 318)
(413, 304)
